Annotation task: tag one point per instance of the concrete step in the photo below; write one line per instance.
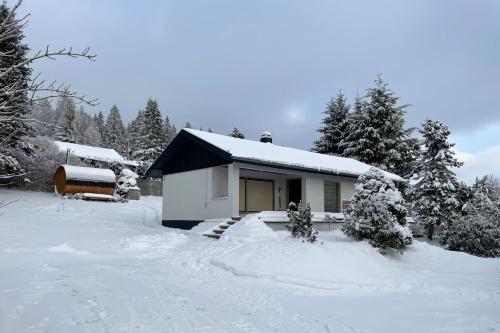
(218, 231)
(212, 236)
(224, 226)
(236, 218)
(231, 222)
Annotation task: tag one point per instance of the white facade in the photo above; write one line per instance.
(215, 192)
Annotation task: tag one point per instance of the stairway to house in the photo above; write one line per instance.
(221, 228)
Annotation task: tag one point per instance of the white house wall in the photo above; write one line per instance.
(188, 196)
(314, 195)
(312, 185)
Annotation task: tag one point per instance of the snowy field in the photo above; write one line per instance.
(77, 266)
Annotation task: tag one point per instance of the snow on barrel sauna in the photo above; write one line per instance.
(92, 183)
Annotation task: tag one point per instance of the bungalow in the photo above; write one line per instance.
(209, 176)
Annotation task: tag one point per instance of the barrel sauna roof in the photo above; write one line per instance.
(89, 174)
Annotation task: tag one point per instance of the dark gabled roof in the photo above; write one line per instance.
(192, 149)
(187, 152)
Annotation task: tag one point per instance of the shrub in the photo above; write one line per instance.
(301, 225)
(377, 213)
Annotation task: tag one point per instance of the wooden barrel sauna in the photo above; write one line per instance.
(70, 179)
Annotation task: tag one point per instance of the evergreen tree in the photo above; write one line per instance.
(334, 126)
(188, 125)
(16, 104)
(301, 225)
(134, 130)
(434, 196)
(45, 114)
(477, 230)
(116, 135)
(170, 131)
(66, 116)
(210, 130)
(101, 127)
(237, 134)
(15, 101)
(152, 134)
(377, 213)
(86, 132)
(376, 131)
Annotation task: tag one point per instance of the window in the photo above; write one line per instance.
(331, 195)
(219, 182)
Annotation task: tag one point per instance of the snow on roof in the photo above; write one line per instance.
(90, 174)
(271, 153)
(93, 153)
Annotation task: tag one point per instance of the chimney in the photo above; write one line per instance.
(266, 137)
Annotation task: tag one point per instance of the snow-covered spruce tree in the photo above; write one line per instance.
(14, 103)
(377, 213)
(210, 130)
(152, 138)
(301, 225)
(169, 132)
(101, 127)
(434, 194)
(477, 229)
(116, 135)
(134, 132)
(14, 100)
(188, 125)
(86, 131)
(334, 126)
(236, 133)
(66, 117)
(376, 132)
(45, 116)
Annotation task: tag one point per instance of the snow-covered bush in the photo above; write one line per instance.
(301, 225)
(377, 213)
(477, 231)
(126, 181)
(475, 234)
(39, 165)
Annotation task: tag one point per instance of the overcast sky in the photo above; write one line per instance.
(272, 65)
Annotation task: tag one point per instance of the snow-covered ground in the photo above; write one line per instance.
(77, 266)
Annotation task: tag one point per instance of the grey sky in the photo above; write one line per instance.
(272, 65)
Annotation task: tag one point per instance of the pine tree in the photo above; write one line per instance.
(116, 135)
(477, 230)
(236, 133)
(152, 134)
(334, 126)
(377, 213)
(188, 125)
(210, 130)
(45, 114)
(376, 131)
(170, 131)
(101, 127)
(16, 104)
(86, 132)
(434, 195)
(301, 225)
(66, 117)
(356, 143)
(134, 132)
